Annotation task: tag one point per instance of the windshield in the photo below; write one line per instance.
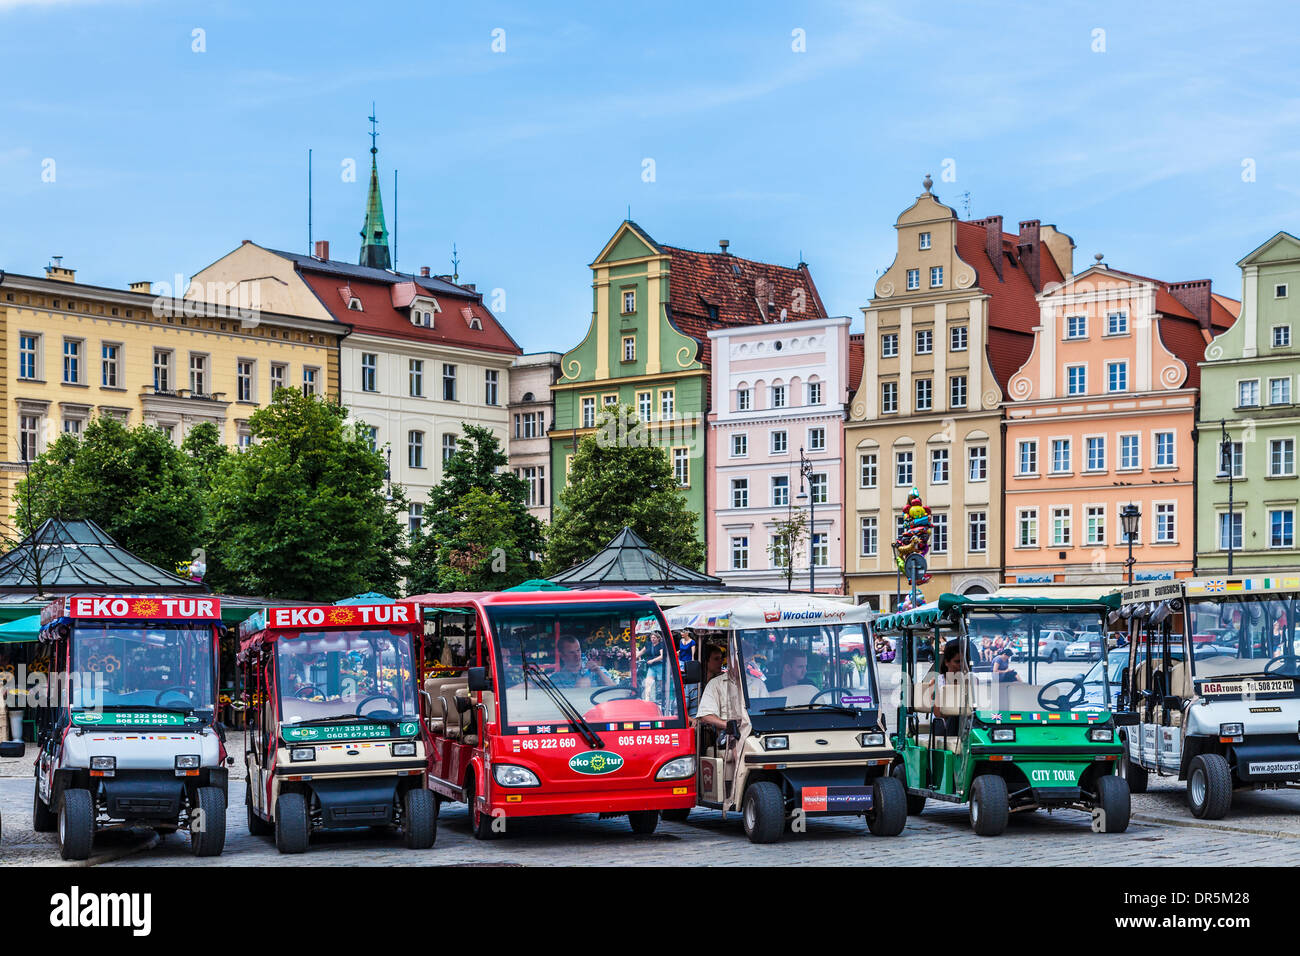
(610, 663)
(346, 674)
(822, 666)
(146, 667)
(1240, 634)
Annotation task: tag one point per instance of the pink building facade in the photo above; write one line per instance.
(777, 390)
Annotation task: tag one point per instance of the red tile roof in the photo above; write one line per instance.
(1008, 352)
(857, 356)
(1184, 338)
(1223, 311)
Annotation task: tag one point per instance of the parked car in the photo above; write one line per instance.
(1052, 645)
(1088, 647)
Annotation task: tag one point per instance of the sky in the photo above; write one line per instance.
(143, 139)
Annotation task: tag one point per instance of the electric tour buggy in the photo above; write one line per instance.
(334, 737)
(978, 731)
(805, 735)
(128, 733)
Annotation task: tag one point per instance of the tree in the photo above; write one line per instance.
(478, 532)
(789, 533)
(303, 513)
(618, 478)
(134, 483)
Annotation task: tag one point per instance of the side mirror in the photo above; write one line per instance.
(1173, 702)
(13, 748)
(1125, 718)
(478, 679)
(692, 672)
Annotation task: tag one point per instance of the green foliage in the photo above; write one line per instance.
(788, 534)
(619, 478)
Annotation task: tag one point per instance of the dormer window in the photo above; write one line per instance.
(354, 304)
(424, 312)
(472, 320)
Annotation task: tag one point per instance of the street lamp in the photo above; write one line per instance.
(805, 476)
(1129, 519)
(1226, 463)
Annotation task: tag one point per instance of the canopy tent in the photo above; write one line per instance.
(948, 605)
(784, 610)
(370, 597)
(21, 629)
(538, 584)
(628, 562)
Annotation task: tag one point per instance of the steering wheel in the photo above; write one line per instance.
(1270, 669)
(397, 704)
(630, 692)
(1065, 701)
(158, 698)
(311, 691)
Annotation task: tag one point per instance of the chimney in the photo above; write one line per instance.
(723, 244)
(1195, 296)
(145, 287)
(56, 271)
(424, 272)
(323, 250)
(244, 242)
(993, 241)
(1031, 251)
(469, 285)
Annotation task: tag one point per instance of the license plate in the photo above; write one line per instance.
(1276, 766)
(835, 799)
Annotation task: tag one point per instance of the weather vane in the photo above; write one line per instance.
(373, 130)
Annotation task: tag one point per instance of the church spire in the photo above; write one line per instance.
(374, 234)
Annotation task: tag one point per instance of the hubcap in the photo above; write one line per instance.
(1197, 786)
(749, 815)
(63, 826)
(974, 811)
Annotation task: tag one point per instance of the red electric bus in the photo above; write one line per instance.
(544, 703)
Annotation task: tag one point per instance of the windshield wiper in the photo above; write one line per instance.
(152, 708)
(851, 711)
(566, 707)
(353, 718)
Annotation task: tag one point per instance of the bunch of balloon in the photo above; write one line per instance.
(913, 539)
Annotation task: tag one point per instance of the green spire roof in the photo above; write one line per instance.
(374, 234)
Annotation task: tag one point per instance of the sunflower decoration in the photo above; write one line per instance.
(39, 666)
(146, 607)
(109, 664)
(341, 615)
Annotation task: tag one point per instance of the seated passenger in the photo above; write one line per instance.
(951, 672)
(1002, 672)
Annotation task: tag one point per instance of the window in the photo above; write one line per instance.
(1076, 379)
(28, 352)
(1096, 453)
(610, 399)
(1248, 393)
(629, 301)
(1281, 528)
(902, 468)
(279, 374)
(977, 463)
(72, 426)
(819, 549)
(1281, 457)
(739, 445)
(1230, 531)
(814, 393)
(449, 383)
(1117, 323)
(913, 279)
(939, 466)
(448, 446)
(924, 394)
(415, 518)
(924, 341)
(29, 430)
(72, 361)
(924, 241)
(1095, 524)
(817, 439)
(867, 471)
(1279, 391)
(1164, 449)
(198, 374)
(369, 372)
(1165, 533)
(780, 442)
(939, 533)
(1130, 454)
(1027, 528)
(415, 449)
(644, 403)
(682, 466)
(740, 492)
(957, 391)
(818, 488)
(888, 397)
(1281, 336)
(1116, 376)
(110, 365)
(588, 413)
(491, 384)
(629, 348)
(1060, 527)
(1027, 458)
(535, 478)
(162, 371)
(889, 345)
(780, 490)
(372, 437)
(1238, 461)
(778, 396)
(739, 552)
(1060, 456)
(666, 403)
(936, 277)
(868, 534)
(1076, 326)
(957, 338)
(308, 380)
(744, 399)
(1279, 291)
(530, 425)
(244, 380)
(977, 527)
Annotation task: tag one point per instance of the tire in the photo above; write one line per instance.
(676, 816)
(292, 825)
(480, 823)
(1053, 657)
(1113, 799)
(211, 840)
(915, 805)
(1209, 786)
(76, 824)
(763, 812)
(43, 819)
(643, 822)
(256, 825)
(419, 818)
(888, 814)
(1135, 775)
(989, 806)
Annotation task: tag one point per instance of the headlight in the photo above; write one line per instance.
(103, 763)
(1101, 734)
(302, 753)
(1235, 729)
(776, 743)
(508, 775)
(187, 762)
(678, 769)
(1004, 735)
(404, 750)
(871, 740)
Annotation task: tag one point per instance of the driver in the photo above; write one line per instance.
(573, 669)
(794, 670)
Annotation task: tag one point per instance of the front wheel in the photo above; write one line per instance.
(1131, 772)
(1209, 786)
(888, 814)
(1113, 801)
(763, 812)
(208, 827)
(76, 824)
(419, 818)
(989, 805)
(480, 823)
(915, 805)
(292, 824)
(643, 822)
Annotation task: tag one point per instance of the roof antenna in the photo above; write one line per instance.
(310, 246)
(455, 264)
(394, 218)
(629, 212)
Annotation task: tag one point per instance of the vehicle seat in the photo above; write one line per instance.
(1180, 680)
(1019, 697)
(470, 717)
(797, 694)
(437, 706)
